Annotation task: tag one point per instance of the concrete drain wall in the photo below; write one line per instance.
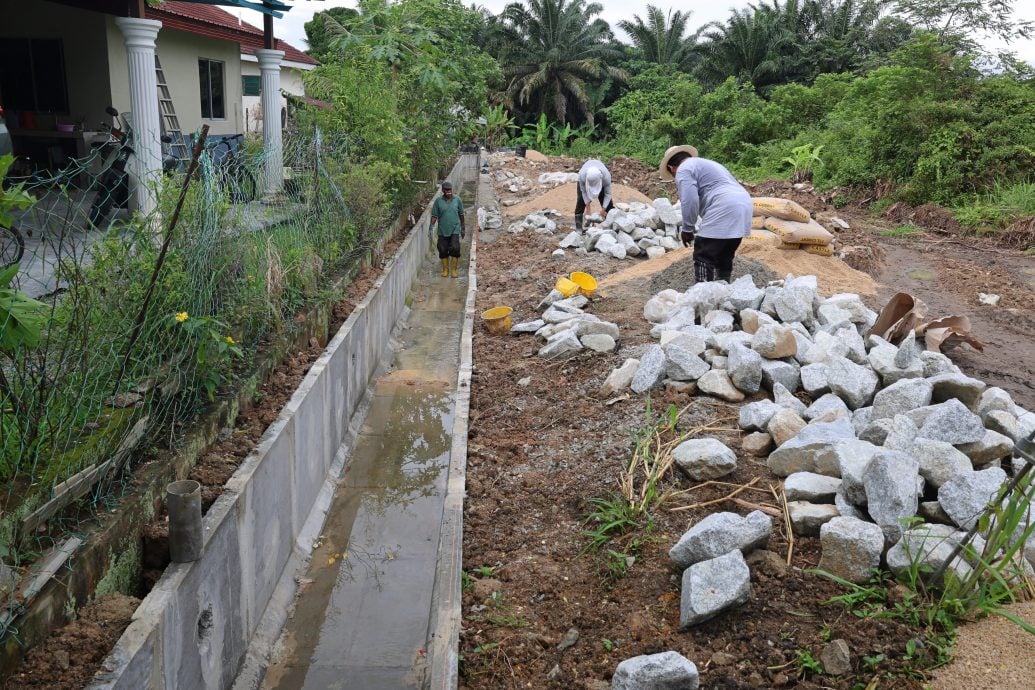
(194, 629)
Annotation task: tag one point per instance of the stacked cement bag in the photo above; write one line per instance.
(788, 225)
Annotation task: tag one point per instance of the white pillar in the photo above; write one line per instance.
(272, 137)
(145, 166)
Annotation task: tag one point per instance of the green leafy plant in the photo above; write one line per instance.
(498, 125)
(803, 161)
(609, 518)
(807, 664)
(214, 349)
(901, 231)
(607, 644)
(21, 317)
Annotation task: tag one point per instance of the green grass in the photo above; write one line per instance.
(901, 231)
(1003, 205)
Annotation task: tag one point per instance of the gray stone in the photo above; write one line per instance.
(724, 341)
(908, 355)
(901, 397)
(563, 344)
(704, 458)
(713, 586)
(779, 371)
(812, 487)
(658, 308)
(684, 387)
(755, 416)
(651, 370)
(952, 422)
(720, 533)
(815, 379)
(831, 313)
(719, 362)
(654, 252)
(752, 319)
(757, 443)
(790, 306)
(882, 360)
(802, 452)
(826, 347)
(995, 399)
(836, 658)
(598, 342)
(854, 342)
(965, 496)
(847, 509)
(806, 518)
(718, 321)
(745, 368)
(683, 364)
(939, 461)
(926, 548)
(1003, 423)
(705, 297)
(964, 388)
(804, 344)
(692, 343)
(555, 315)
(592, 327)
(574, 304)
(784, 398)
(853, 383)
(717, 382)
(743, 294)
(826, 404)
(890, 481)
(992, 447)
(860, 418)
(876, 432)
(616, 250)
(528, 326)
(620, 378)
(572, 239)
(666, 212)
(902, 435)
(935, 364)
(854, 305)
(774, 342)
(931, 511)
(851, 548)
(849, 460)
(664, 671)
(784, 425)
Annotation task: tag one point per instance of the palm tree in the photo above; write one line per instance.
(559, 49)
(662, 39)
(750, 46)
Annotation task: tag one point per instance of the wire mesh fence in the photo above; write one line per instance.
(116, 333)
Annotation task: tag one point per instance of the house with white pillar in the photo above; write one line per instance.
(62, 62)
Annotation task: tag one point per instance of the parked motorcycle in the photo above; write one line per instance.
(113, 185)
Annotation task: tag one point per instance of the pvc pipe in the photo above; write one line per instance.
(183, 499)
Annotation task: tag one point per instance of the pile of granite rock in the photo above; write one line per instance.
(630, 230)
(568, 329)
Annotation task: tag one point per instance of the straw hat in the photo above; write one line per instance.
(673, 150)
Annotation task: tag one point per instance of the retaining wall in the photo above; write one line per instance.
(193, 630)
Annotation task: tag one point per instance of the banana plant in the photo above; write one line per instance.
(804, 159)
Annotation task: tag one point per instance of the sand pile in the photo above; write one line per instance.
(563, 199)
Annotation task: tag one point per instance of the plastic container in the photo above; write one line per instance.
(497, 320)
(520, 150)
(587, 283)
(566, 287)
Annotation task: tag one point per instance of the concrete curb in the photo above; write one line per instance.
(444, 643)
(195, 627)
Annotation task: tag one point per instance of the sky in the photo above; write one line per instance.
(291, 27)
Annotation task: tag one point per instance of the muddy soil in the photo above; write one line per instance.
(73, 653)
(543, 446)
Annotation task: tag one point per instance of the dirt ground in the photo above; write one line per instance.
(543, 445)
(70, 657)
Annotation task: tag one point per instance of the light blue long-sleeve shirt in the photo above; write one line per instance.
(605, 175)
(709, 191)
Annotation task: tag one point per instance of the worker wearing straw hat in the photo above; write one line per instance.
(708, 192)
(594, 185)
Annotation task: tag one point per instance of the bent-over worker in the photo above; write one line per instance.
(594, 185)
(448, 212)
(708, 191)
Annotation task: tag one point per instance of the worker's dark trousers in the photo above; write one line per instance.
(713, 258)
(580, 204)
(449, 246)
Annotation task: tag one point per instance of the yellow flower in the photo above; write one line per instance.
(229, 340)
(181, 317)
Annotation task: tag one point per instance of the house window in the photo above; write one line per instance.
(252, 85)
(32, 76)
(213, 105)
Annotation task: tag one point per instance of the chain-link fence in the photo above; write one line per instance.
(118, 329)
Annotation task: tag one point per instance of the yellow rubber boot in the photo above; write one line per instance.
(456, 264)
(445, 268)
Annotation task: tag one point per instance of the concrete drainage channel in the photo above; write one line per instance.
(206, 622)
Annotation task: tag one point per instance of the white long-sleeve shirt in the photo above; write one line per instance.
(709, 191)
(605, 176)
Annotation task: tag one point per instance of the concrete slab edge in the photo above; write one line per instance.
(195, 627)
(444, 632)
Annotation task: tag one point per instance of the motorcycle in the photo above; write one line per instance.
(113, 185)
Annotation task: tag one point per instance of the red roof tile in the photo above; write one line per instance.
(213, 22)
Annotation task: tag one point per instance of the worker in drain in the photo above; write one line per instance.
(708, 193)
(594, 185)
(448, 213)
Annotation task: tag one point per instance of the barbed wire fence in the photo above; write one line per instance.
(125, 353)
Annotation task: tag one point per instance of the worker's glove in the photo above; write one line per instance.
(686, 237)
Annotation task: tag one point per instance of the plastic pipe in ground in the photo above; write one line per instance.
(183, 499)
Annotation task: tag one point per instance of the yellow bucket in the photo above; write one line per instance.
(587, 283)
(497, 320)
(566, 287)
